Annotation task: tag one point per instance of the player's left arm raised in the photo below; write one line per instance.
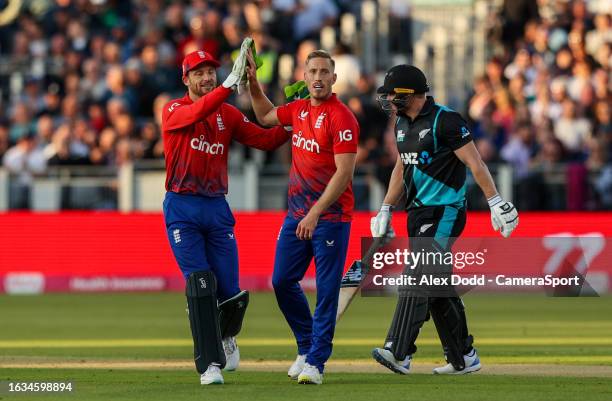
(504, 216)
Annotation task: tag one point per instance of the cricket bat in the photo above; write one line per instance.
(354, 277)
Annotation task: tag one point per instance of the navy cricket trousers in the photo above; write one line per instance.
(201, 233)
(328, 246)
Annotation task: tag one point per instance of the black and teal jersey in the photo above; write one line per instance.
(433, 175)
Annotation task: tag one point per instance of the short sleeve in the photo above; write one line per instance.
(345, 130)
(285, 113)
(454, 131)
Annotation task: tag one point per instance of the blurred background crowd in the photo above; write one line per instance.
(82, 83)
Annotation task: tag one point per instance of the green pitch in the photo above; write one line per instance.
(138, 347)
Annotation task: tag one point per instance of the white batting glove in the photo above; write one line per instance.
(380, 225)
(239, 69)
(504, 215)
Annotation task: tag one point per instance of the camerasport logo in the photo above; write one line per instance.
(310, 145)
(211, 148)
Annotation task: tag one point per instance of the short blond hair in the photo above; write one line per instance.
(321, 54)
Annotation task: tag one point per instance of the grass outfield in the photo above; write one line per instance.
(252, 386)
(153, 328)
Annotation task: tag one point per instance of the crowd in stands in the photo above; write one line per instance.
(545, 100)
(83, 82)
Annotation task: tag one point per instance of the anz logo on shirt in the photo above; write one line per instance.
(209, 148)
(416, 158)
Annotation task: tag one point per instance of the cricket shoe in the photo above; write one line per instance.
(232, 354)
(310, 375)
(212, 375)
(297, 367)
(386, 358)
(472, 364)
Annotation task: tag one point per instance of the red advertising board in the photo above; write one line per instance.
(108, 251)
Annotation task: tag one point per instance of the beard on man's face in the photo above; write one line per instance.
(201, 87)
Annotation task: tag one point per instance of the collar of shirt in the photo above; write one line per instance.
(428, 106)
(187, 99)
(332, 99)
(425, 110)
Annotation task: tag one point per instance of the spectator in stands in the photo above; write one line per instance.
(92, 86)
(23, 160)
(503, 116)
(572, 129)
(603, 121)
(347, 69)
(21, 122)
(32, 95)
(515, 14)
(520, 149)
(311, 16)
(104, 153)
(543, 108)
(143, 91)
(63, 152)
(4, 140)
(44, 130)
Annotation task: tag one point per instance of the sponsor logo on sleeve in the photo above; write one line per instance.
(173, 106)
(346, 135)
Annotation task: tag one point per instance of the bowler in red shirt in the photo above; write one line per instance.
(324, 145)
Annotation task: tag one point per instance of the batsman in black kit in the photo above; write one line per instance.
(435, 146)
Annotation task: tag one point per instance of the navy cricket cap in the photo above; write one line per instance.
(404, 79)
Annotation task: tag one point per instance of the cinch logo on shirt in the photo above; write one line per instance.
(307, 144)
(206, 147)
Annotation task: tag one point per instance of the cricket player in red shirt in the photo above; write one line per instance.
(325, 136)
(197, 131)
